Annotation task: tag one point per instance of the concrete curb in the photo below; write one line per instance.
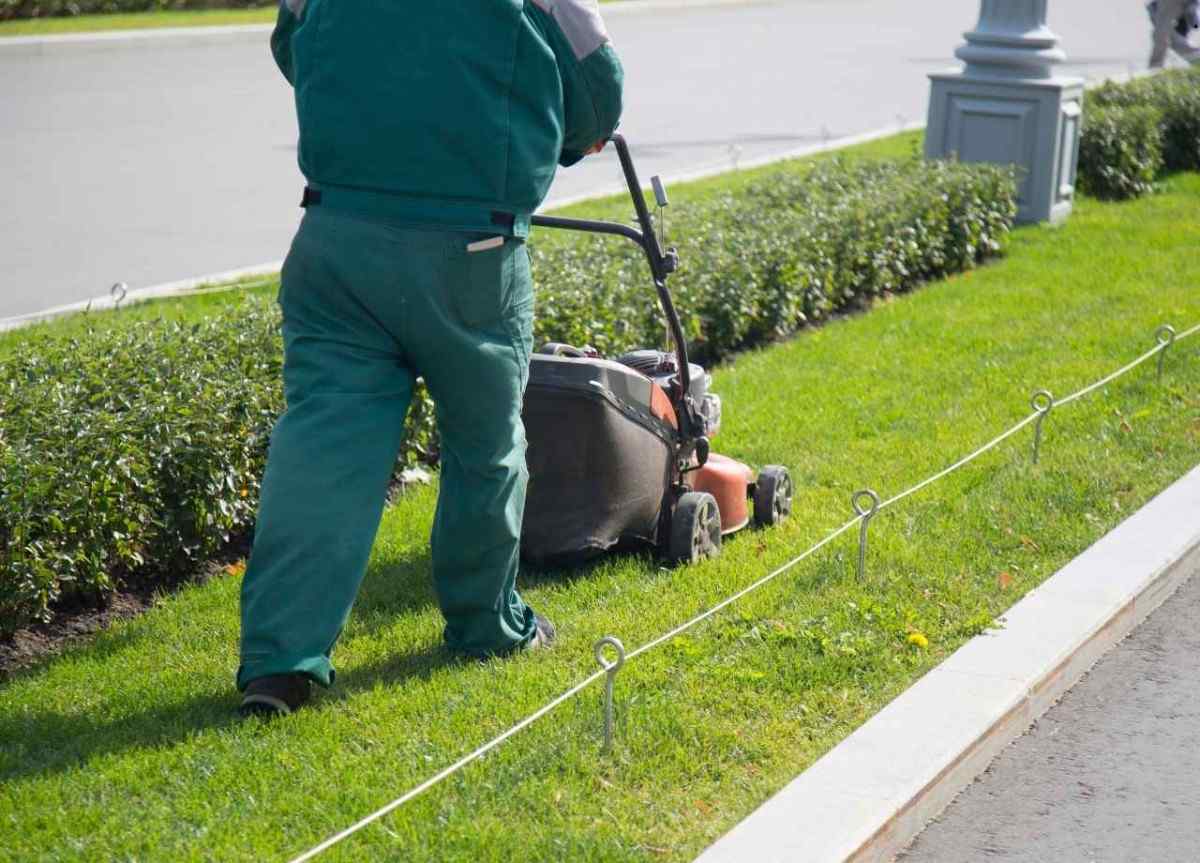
(873, 793)
(170, 289)
(725, 166)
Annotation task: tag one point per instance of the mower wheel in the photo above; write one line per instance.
(695, 528)
(772, 495)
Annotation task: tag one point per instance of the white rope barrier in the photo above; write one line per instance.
(1091, 388)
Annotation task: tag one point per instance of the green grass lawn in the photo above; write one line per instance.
(137, 21)
(141, 21)
(127, 747)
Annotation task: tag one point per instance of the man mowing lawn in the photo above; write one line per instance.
(429, 133)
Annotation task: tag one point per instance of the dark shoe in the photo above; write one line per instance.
(543, 635)
(275, 695)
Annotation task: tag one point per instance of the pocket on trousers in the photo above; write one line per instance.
(482, 280)
(519, 318)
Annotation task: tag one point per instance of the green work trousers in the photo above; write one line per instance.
(368, 307)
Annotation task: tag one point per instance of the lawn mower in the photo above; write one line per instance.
(619, 449)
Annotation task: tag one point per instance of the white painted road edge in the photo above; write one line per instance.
(872, 794)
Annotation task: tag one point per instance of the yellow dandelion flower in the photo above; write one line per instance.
(918, 639)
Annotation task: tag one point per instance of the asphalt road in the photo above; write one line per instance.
(1111, 774)
(155, 159)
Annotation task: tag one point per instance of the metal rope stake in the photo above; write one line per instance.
(1043, 403)
(865, 515)
(118, 292)
(1165, 336)
(610, 669)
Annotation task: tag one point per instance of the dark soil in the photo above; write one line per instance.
(42, 640)
(74, 624)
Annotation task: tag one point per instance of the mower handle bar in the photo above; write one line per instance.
(661, 264)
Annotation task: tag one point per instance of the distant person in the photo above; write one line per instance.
(1173, 20)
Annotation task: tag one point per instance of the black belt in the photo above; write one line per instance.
(312, 198)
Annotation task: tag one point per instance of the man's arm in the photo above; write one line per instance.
(291, 13)
(591, 74)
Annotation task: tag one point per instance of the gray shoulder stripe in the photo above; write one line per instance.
(296, 7)
(580, 22)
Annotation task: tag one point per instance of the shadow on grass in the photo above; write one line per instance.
(386, 592)
(50, 741)
(47, 742)
(407, 586)
(402, 587)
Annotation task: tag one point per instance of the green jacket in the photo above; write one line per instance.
(449, 114)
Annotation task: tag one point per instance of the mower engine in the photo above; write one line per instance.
(662, 367)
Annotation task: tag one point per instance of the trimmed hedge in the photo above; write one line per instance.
(13, 9)
(1133, 132)
(785, 251)
(1176, 94)
(132, 452)
(1120, 151)
(129, 450)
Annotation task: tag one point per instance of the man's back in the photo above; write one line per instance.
(452, 110)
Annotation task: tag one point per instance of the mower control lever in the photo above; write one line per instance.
(660, 191)
(660, 196)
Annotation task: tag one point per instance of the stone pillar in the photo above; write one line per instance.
(1007, 106)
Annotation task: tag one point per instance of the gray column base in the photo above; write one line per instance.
(1031, 123)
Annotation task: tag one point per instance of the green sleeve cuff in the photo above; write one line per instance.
(592, 102)
(605, 79)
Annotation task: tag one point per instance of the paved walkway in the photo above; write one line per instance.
(151, 160)
(1111, 774)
